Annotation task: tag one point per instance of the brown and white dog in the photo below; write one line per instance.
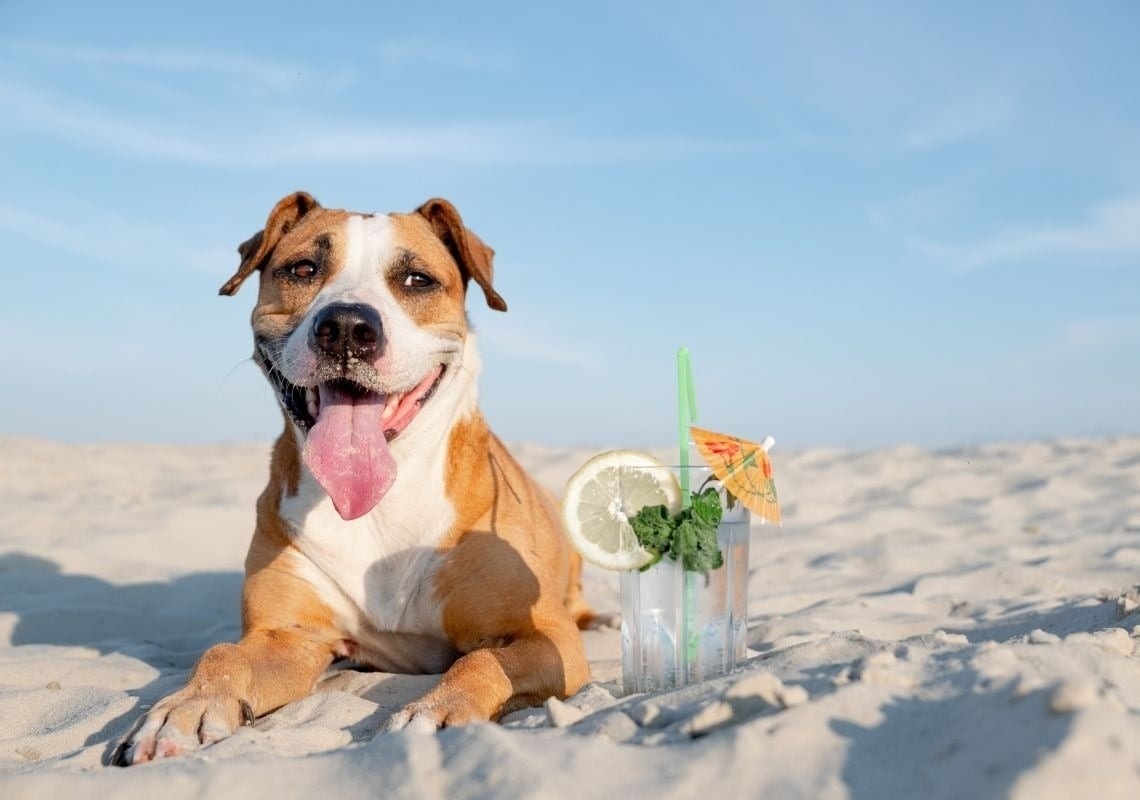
(396, 529)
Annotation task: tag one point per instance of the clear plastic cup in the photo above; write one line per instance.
(679, 627)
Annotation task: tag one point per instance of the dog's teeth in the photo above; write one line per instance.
(311, 401)
(390, 407)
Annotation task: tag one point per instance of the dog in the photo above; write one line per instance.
(395, 530)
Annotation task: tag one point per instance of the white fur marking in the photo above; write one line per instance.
(377, 573)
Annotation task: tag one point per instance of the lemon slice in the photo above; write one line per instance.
(602, 496)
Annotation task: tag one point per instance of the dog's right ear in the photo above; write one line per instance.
(255, 250)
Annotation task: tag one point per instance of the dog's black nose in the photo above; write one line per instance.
(347, 330)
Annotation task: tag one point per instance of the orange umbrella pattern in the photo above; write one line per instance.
(744, 469)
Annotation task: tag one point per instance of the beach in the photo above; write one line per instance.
(926, 623)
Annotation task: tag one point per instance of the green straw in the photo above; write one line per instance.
(686, 416)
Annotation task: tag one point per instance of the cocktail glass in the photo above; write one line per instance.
(678, 626)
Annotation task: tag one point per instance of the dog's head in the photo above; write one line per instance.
(359, 324)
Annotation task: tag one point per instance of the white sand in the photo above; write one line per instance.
(928, 624)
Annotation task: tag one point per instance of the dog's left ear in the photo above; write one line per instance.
(256, 249)
(468, 250)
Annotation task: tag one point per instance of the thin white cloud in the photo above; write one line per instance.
(470, 143)
(974, 116)
(1109, 229)
(928, 203)
(37, 111)
(420, 52)
(331, 144)
(103, 239)
(31, 109)
(269, 75)
(1095, 334)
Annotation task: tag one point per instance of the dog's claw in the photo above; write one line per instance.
(422, 716)
(247, 715)
(119, 756)
(397, 722)
(422, 722)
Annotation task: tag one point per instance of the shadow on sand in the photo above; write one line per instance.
(950, 748)
(1072, 617)
(167, 625)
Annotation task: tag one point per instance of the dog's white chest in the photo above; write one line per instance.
(376, 573)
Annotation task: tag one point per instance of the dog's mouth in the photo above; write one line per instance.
(398, 409)
(347, 428)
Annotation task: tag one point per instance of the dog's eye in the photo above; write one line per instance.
(303, 270)
(418, 280)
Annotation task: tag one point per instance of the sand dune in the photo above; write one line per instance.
(957, 623)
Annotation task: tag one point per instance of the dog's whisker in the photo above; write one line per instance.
(233, 369)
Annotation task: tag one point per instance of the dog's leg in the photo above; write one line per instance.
(584, 616)
(548, 660)
(288, 643)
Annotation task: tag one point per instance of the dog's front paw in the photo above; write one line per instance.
(182, 723)
(430, 714)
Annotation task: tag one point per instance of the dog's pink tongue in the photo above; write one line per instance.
(347, 453)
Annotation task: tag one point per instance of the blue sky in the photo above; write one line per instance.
(871, 223)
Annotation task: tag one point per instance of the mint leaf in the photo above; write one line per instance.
(654, 531)
(689, 536)
(696, 537)
(706, 507)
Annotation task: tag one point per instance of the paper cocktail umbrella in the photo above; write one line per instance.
(744, 469)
